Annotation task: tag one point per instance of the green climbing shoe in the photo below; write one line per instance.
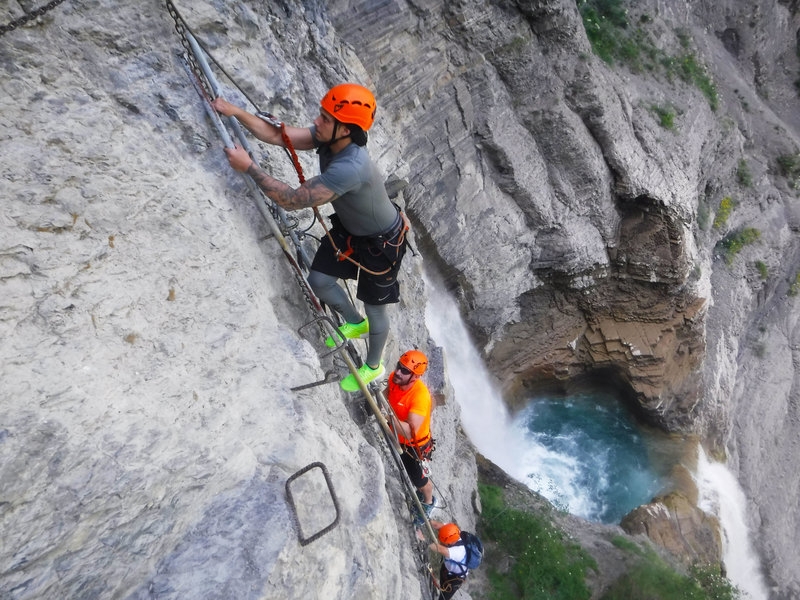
(350, 331)
(366, 373)
(428, 508)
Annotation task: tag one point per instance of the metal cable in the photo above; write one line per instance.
(34, 14)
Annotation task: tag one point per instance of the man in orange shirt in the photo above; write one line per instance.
(411, 421)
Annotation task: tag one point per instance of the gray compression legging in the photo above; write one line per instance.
(328, 290)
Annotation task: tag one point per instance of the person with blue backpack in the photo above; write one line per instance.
(462, 551)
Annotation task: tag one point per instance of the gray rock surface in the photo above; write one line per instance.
(597, 220)
(150, 326)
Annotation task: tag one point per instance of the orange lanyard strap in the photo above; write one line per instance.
(290, 148)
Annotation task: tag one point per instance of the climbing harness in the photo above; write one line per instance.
(34, 14)
(394, 238)
(425, 451)
(383, 239)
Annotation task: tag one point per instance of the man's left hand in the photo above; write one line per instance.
(239, 158)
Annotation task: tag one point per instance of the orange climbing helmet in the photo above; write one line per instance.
(449, 534)
(415, 361)
(352, 104)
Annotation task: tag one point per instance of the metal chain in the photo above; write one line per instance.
(181, 27)
(34, 14)
(285, 226)
(298, 264)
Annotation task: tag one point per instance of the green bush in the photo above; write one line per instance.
(763, 271)
(626, 544)
(666, 116)
(544, 564)
(714, 585)
(725, 208)
(691, 71)
(789, 166)
(743, 173)
(794, 287)
(601, 22)
(733, 243)
(652, 579)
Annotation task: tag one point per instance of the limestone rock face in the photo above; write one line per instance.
(153, 332)
(581, 236)
(576, 212)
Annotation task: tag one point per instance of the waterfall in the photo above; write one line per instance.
(721, 495)
(483, 412)
(486, 419)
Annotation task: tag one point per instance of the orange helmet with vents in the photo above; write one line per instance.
(415, 361)
(449, 534)
(351, 103)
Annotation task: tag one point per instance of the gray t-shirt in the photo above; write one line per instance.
(363, 205)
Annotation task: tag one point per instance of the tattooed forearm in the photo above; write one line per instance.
(311, 193)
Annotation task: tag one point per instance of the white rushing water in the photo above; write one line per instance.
(721, 495)
(483, 411)
(485, 416)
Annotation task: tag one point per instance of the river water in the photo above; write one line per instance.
(586, 454)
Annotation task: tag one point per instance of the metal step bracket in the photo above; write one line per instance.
(325, 319)
(313, 504)
(330, 377)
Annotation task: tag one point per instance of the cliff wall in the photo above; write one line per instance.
(152, 331)
(589, 239)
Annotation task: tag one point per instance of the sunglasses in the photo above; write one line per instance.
(403, 370)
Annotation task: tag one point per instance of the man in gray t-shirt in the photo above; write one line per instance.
(367, 232)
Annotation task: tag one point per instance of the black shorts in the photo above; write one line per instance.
(413, 468)
(449, 583)
(380, 254)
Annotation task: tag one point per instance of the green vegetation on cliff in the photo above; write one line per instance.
(789, 167)
(666, 116)
(615, 39)
(733, 243)
(654, 579)
(528, 557)
(794, 285)
(726, 206)
(544, 564)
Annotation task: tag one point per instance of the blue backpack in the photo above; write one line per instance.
(474, 549)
